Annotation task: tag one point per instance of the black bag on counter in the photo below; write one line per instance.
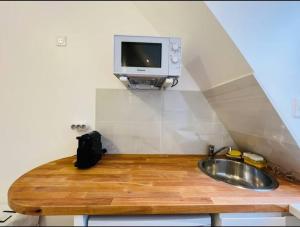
(89, 150)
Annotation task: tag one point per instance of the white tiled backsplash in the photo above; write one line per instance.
(253, 123)
(167, 122)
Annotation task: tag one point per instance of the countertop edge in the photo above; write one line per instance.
(147, 210)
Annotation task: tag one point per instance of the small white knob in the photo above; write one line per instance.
(174, 59)
(175, 46)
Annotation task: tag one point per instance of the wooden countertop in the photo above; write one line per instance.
(138, 184)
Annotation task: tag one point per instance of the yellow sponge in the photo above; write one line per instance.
(254, 163)
(234, 154)
(255, 160)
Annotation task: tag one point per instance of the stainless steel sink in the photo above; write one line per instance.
(238, 174)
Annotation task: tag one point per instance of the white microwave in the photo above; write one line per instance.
(147, 60)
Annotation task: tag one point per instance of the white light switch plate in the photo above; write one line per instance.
(296, 108)
(61, 41)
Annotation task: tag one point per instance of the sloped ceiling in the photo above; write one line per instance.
(267, 34)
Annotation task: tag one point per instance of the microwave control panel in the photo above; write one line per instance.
(175, 57)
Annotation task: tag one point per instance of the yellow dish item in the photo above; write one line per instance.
(259, 164)
(253, 157)
(235, 154)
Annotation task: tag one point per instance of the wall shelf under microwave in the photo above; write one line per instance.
(148, 83)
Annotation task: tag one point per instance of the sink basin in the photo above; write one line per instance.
(238, 174)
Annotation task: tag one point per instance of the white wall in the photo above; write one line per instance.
(45, 88)
(209, 54)
(267, 34)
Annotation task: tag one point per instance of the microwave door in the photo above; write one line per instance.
(141, 55)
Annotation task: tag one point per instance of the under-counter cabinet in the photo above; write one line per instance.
(255, 219)
(149, 220)
(223, 219)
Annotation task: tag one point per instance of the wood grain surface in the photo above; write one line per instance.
(138, 184)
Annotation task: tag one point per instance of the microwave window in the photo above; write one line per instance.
(141, 54)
